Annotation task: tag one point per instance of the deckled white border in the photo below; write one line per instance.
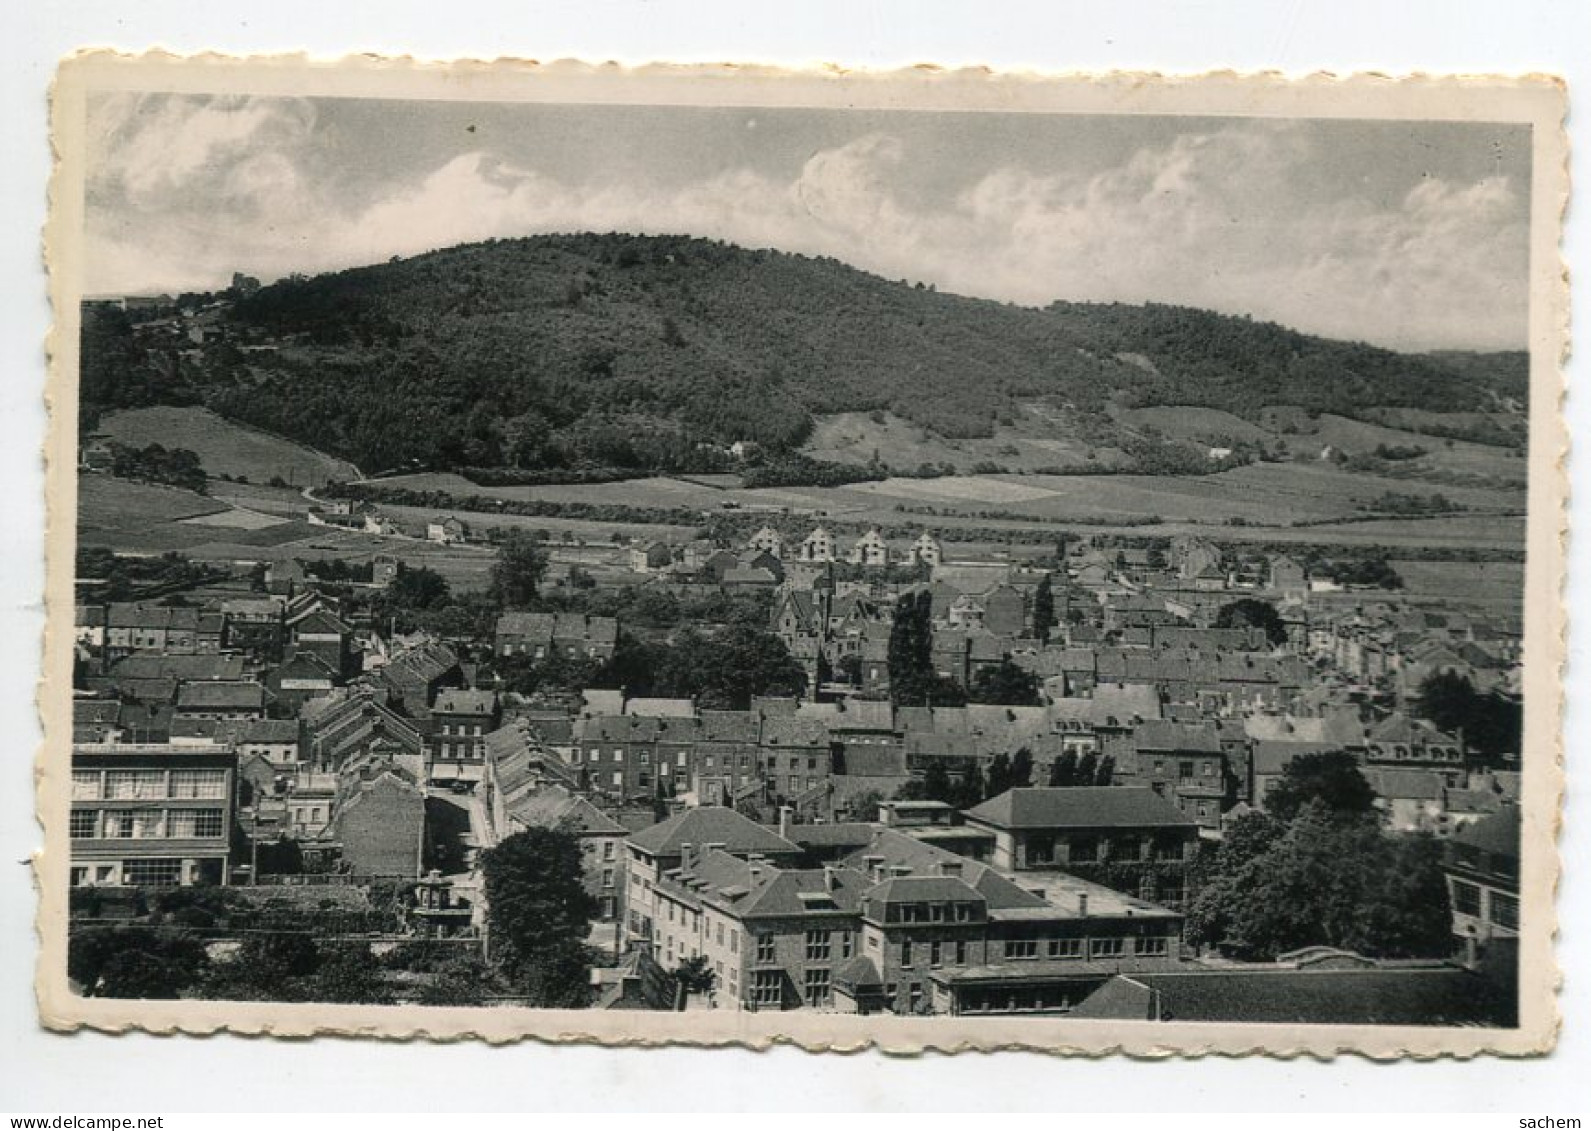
(1535, 99)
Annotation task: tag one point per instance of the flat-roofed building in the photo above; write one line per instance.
(151, 814)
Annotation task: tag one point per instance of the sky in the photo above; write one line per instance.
(1407, 234)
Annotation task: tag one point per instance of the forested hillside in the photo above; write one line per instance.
(632, 352)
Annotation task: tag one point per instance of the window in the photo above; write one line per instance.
(905, 952)
(188, 823)
(936, 953)
(767, 987)
(644, 758)
(1505, 910)
(765, 949)
(847, 944)
(607, 850)
(618, 777)
(607, 877)
(135, 785)
(1466, 898)
(961, 952)
(817, 946)
(1066, 948)
(595, 754)
(152, 873)
(1021, 948)
(1184, 770)
(85, 785)
(1083, 850)
(734, 941)
(720, 934)
(1153, 946)
(1106, 948)
(817, 987)
(84, 824)
(133, 824)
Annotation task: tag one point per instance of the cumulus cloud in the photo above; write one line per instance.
(1232, 218)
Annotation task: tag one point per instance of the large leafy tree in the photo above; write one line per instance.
(539, 913)
(1331, 778)
(1005, 684)
(127, 963)
(726, 670)
(518, 571)
(1490, 724)
(1251, 611)
(911, 649)
(1323, 878)
(1043, 610)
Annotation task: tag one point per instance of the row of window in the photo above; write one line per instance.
(710, 761)
(1499, 908)
(149, 785)
(146, 824)
(1089, 850)
(153, 872)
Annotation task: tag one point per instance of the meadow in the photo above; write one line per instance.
(225, 448)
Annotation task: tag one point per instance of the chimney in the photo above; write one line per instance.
(1082, 904)
(784, 821)
(875, 867)
(950, 868)
(830, 880)
(686, 851)
(756, 874)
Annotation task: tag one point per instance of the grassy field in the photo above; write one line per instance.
(225, 448)
(1487, 585)
(1040, 436)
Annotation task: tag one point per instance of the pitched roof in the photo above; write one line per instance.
(1375, 996)
(556, 807)
(1081, 807)
(221, 694)
(464, 701)
(711, 825)
(1497, 833)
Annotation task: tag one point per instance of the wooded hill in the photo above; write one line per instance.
(622, 351)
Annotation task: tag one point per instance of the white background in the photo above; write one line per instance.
(43, 1073)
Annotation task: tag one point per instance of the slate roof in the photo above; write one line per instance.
(556, 807)
(712, 825)
(1192, 738)
(1096, 807)
(1377, 996)
(463, 701)
(151, 665)
(730, 726)
(1497, 834)
(221, 695)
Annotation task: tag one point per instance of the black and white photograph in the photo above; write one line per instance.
(723, 560)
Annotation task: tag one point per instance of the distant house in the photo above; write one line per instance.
(817, 546)
(384, 570)
(539, 635)
(926, 550)
(461, 719)
(221, 699)
(1106, 834)
(447, 531)
(1287, 576)
(1481, 861)
(380, 823)
(870, 550)
(767, 541)
(650, 557)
